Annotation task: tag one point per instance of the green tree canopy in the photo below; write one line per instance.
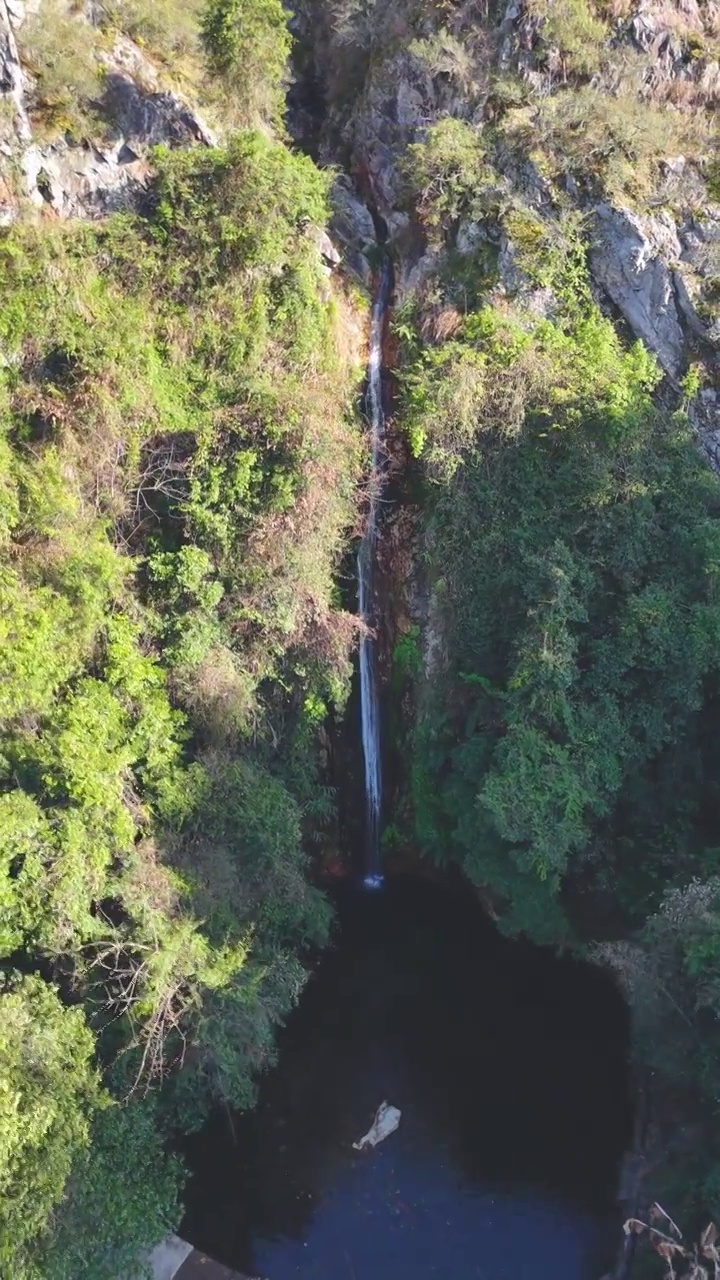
(49, 1087)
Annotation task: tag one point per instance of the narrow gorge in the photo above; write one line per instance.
(359, 638)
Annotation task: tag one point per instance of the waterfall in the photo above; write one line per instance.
(367, 605)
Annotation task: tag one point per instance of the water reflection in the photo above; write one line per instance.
(509, 1068)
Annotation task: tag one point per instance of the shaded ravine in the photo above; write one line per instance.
(368, 605)
(509, 1067)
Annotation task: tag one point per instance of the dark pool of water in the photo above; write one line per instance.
(509, 1066)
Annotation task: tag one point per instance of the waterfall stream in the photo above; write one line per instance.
(367, 603)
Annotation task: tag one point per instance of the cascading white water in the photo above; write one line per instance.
(369, 689)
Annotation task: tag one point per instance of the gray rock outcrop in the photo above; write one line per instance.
(648, 266)
(351, 225)
(632, 259)
(92, 178)
(12, 80)
(399, 103)
(660, 32)
(84, 181)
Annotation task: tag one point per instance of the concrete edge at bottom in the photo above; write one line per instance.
(175, 1259)
(198, 1267)
(167, 1257)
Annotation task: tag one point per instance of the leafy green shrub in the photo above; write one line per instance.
(578, 624)
(407, 656)
(497, 369)
(49, 1088)
(60, 51)
(444, 172)
(552, 254)
(169, 28)
(243, 860)
(444, 54)
(179, 461)
(122, 1197)
(616, 141)
(241, 208)
(668, 972)
(247, 44)
(571, 28)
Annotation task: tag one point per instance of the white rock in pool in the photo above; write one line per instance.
(386, 1121)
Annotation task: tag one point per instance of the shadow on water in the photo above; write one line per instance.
(509, 1066)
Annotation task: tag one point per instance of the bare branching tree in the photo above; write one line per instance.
(163, 476)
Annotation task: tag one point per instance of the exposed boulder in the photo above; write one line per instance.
(513, 281)
(398, 226)
(413, 271)
(149, 116)
(470, 236)
(91, 180)
(351, 219)
(632, 259)
(700, 240)
(351, 225)
(682, 185)
(700, 266)
(686, 309)
(649, 268)
(84, 181)
(327, 252)
(538, 301)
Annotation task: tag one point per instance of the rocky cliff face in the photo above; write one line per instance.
(557, 127)
(522, 78)
(611, 122)
(62, 176)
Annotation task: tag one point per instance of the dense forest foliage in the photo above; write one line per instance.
(555, 683)
(179, 466)
(567, 678)
(576, 559)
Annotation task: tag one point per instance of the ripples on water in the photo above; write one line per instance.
(509, 1066)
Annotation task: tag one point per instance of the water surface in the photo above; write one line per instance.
(509, 1066)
